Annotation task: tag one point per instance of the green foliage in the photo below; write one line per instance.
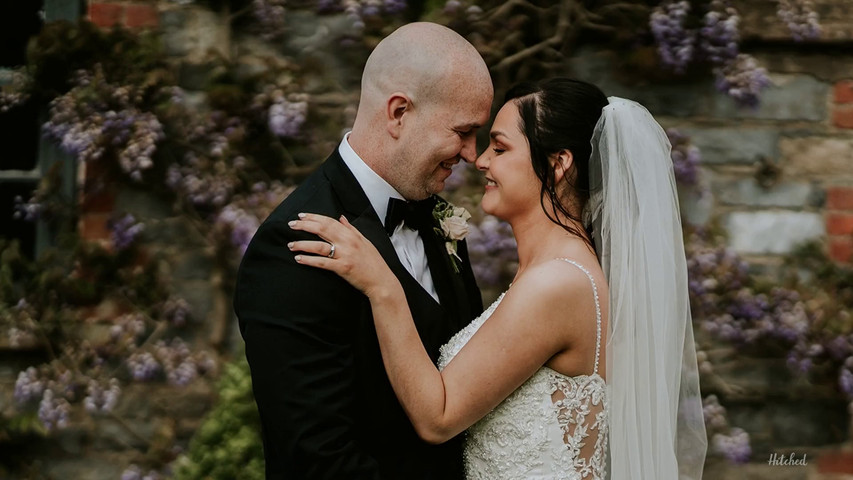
(62, 48)
(76, 273)
(228, 445)
(12, 266)
(829, 284)
(830, 276)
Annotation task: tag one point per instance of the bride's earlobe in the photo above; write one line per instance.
(562, 163)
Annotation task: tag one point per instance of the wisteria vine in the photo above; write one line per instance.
(715, 39)
(205, 157)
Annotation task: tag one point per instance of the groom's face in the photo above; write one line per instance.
(441, 135)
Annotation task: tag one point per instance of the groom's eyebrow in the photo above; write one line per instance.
(469, 126)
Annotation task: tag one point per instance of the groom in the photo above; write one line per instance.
(327, 409)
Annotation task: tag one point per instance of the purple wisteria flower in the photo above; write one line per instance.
(360, 11)
(734, 446)
(203, 188)
(458, 178)
(129, 327)
(29, 386)
(286, 118)
(800, 18)
(143, 366)
(179, 365)
(132, 473)
(135, 473)
(95, 117)
(241, 224)
(493, 250)
(452, 6)
(19, 337)
(53, 411)
(743, 80)
(676, 43)
(393, 7)
(207, 176)
(714, 413)
(269, 16)
(328, 6)
(239, 220)
(29, 211)
(16, 92)
(176, 311)
(719, 35)
(798, 362)
(100, 399)
(10, 100)
(686, 158)
(839, 347)
(124, 231)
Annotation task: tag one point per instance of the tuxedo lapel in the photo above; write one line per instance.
(362, 216)
(449, 285)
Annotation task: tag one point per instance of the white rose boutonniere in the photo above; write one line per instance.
(453, 226)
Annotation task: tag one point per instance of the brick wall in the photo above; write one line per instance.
(839, 222)
(839, 198)
(98, 197)
(130, 14)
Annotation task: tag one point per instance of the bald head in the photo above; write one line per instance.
(424, 61)
(425, 92)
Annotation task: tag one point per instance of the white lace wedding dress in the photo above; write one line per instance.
(553, 427)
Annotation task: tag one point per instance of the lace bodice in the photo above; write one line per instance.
(552, 427)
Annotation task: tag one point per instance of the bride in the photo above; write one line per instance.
(585, 367)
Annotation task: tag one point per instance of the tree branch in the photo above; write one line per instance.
(505, 8)
(563, 25)
(624, 6)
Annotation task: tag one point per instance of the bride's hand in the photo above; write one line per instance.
(354, 258)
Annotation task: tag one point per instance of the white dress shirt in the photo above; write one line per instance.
(407, 242)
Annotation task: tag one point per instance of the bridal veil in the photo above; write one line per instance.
(657, 429)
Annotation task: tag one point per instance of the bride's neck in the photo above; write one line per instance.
(540, 239)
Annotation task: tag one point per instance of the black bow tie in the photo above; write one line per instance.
(415, 215)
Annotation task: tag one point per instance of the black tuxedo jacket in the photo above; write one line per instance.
(327, 408)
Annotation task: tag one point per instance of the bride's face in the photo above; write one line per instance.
(512, 187)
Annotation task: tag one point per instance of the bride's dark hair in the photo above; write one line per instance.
(560, 114)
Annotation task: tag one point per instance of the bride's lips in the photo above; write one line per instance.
(490, 184)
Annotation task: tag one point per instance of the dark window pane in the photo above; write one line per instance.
(19, 137)
(10, 227)
(19, 21)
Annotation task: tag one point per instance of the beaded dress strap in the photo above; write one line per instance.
(597, 310)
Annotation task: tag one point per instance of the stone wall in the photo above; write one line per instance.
(775, 176)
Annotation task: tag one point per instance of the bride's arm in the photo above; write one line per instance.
(525, 331)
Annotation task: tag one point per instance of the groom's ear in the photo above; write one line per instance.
(398, 105)
(562, 162)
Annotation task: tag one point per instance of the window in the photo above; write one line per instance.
(19, 126)
(22, 159)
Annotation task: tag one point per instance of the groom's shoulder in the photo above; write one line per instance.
(313, 194)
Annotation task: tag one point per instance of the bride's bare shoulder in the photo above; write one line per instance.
(559, 283)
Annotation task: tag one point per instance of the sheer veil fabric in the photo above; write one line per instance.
(657, 429)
